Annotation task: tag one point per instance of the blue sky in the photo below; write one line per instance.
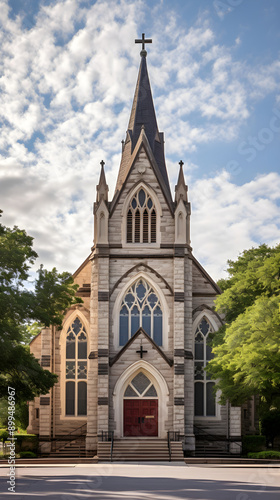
(68, 70)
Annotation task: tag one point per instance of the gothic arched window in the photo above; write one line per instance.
(140, 387)
(205, 403)
(140, 307)
(76, 370)
(141, 219)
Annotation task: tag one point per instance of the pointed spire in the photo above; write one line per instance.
(181, 190)
(143, 115)
(102, 187)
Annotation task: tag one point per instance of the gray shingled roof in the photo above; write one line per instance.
(143, 114)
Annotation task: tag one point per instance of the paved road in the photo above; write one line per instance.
(162, 481)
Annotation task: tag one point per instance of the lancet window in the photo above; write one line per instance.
(141, 221)
(76, 370)
(140, 307)
(205, 403)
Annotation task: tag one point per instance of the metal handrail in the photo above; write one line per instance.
(175, 435)
(215, 436)
(169, 446)
(106, 435)
(112, 446)
(65, 437)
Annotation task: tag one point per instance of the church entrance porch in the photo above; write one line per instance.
(140, 403)
(140, 417)
(140, 407)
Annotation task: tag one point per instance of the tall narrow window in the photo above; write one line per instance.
(140, 307)
(141, 219)
(76, 370)
(205, 403)
(129, 226)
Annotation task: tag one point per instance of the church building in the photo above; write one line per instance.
(130, 359)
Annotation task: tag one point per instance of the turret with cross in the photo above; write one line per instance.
(102, 187)
(181, 190)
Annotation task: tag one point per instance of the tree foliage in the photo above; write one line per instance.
(20, 306)
(247, 347)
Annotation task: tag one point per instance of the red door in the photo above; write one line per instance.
(140, 417)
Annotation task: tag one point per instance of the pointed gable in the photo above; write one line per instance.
(143, 145)
(142, 335)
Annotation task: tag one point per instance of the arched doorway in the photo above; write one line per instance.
(140, 407)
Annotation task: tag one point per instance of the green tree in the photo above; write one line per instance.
(30, 330)
(20, 306)
(247, 348)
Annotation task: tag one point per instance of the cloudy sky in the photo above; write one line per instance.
(68, 70)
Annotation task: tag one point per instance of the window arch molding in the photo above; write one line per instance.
(214, 325)
(117, 307)
(62, 343)
(161, 387)
(150, 191)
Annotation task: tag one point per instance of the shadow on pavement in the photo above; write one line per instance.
(92, 486)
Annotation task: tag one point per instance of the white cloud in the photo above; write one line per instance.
(228, 218)
(66, 87)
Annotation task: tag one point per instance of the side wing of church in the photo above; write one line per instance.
(131, 358)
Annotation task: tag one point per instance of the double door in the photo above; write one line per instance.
(140, 417)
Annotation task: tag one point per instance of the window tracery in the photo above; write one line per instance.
(140, 307)
(76, 370)
(141, 219)
(140, 387)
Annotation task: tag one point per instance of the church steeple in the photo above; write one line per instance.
(102, 187)
(143, 117)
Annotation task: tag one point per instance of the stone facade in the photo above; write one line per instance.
(184, 289)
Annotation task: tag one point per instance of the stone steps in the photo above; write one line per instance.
(140, 450)
(73, 449)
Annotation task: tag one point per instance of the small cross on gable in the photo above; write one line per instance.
(141, 351)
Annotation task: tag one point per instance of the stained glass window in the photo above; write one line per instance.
(140, 307)
(76, 369)
(205, 402)
(141, 219)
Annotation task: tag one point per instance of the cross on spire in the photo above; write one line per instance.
(143, 40)
(102, 163)
(181, 163)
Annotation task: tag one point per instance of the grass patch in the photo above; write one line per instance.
(5, 456)
(269, 454)
(27, 454)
